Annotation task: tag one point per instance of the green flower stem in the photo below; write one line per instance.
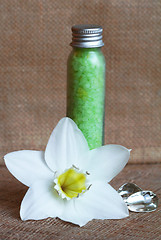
(86, 93)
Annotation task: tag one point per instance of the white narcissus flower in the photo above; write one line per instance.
(68, 180)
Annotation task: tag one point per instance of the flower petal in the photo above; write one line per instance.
(73, 214)
(101, 201)
(41, 201)
(65, 146)
(28, 166)
(105, 162)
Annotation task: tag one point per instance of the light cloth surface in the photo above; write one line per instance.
(141, 226)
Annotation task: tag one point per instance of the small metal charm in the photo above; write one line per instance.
(138, 200)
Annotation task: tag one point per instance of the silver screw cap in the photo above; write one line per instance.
(87, 36)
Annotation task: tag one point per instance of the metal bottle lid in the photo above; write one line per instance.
(87, 36)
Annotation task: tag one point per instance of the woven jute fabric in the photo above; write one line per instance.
(139, 226)
(34, 47)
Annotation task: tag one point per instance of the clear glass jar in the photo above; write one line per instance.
(86, 83)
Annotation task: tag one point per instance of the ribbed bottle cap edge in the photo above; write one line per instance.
(87, 36)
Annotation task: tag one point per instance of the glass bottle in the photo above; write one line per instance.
(86, 83)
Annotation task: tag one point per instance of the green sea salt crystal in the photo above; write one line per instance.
(86, 93)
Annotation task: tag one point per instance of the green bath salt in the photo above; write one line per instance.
(86, 85)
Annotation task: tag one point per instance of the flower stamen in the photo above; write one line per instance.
(71, 183)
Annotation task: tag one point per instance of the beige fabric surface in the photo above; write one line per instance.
(34, 46)
(138, 226)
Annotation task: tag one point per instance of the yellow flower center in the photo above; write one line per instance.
(70, 183)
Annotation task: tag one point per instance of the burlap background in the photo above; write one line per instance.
(34, 46)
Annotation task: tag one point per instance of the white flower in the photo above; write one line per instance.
(68, 180)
